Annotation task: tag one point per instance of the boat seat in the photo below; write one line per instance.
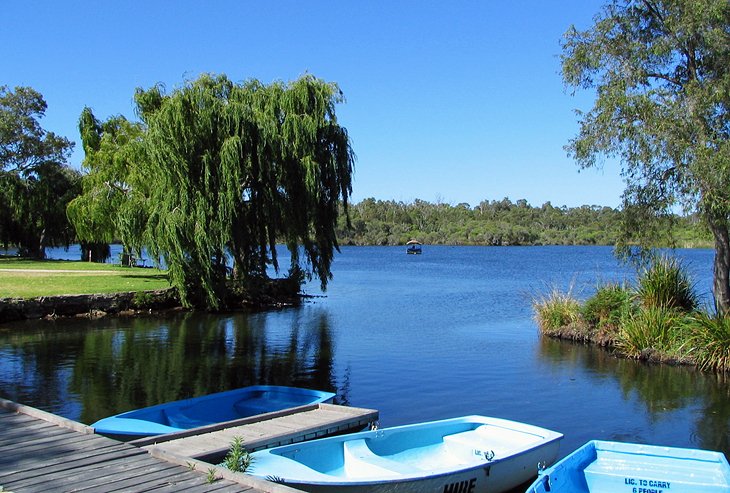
(468, 446)
(179, 420)
(651, 474)
(360, 461)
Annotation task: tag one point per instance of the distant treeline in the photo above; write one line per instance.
(497, 223)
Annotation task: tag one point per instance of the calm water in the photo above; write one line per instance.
(425, 337)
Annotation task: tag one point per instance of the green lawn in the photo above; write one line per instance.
(20, 278)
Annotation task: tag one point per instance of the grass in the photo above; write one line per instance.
(20, 278)
(656, 332)
(607, 306)
(666, 283)
(658, 319)
(712, 342)
(556, 310)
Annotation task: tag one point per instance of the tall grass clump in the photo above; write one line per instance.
(654, 332)
(238, 458)
(605, 309)
(556, 310)
(666, 283)
(711, 341)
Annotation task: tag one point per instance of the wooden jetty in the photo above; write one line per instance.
(40, 451)
(211, 443)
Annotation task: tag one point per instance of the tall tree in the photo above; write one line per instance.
(218, 173)
(35, 183)
(112, 205)
(240, 167)
(661, 71)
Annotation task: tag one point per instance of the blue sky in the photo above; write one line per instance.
(457, 101)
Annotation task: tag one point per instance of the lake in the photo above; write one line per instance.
(443, 334)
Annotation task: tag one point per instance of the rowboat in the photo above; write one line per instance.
(209, 409)
(467, 454)
(601, 466)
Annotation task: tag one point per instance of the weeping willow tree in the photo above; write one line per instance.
(113, 203)
(237, 168)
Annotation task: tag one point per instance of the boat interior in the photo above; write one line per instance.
(405, 453)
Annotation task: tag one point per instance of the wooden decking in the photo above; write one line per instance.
(211, 443)
(42, 452)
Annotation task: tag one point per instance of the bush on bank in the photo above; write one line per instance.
(657, 319)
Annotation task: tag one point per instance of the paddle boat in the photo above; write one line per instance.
(414, 247)
(205, 410)
(601, 466)
(467, 454)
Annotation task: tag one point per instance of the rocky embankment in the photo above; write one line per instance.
(87, 305)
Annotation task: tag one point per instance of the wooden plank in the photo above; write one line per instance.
(319, 421)
(243, 479)
(41, 452)
(45, 416)
(117, 478)
(55, 461)
(41, 477)
(51, 439)
(219, 426)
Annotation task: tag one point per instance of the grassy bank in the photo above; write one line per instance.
(658, 319)
(20, 278)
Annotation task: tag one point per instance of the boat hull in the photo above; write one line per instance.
(604, 466)
(449, 456)
(173, 417)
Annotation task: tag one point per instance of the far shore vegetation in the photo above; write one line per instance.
(659, 318)
(502, 223)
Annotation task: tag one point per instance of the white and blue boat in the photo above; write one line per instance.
(467, 454)
(603, 466)
(206, 410)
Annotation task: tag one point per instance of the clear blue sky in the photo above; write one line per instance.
(452, 101)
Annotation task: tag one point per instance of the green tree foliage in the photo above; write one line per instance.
(661, 71)
(493, 223)
(219, 172)
(35, 183)
(115, 186)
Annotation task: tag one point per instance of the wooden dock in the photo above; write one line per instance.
(42, 452)
(211, 443)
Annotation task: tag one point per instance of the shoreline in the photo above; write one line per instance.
(128, 304)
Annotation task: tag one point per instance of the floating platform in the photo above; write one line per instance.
(211, 443)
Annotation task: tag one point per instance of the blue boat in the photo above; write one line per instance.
(602, 466)
(206, 410)
(467, 454)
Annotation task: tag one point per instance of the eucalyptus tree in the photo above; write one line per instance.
(661, 74)
(237, 168)
(35, 182)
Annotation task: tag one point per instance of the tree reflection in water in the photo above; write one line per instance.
(659, 388)
(113, 365)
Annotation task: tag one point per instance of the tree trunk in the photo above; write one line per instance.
(721, 267)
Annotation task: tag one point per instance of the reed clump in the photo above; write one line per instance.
(657, 319)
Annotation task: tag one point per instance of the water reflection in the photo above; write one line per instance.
(114, 365)
(660, 390)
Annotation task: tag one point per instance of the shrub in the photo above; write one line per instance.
(666, 283)
(238, 458)
(142, 300)
(651, 331)
(711, 340)
(556, 310)
(606, 307)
